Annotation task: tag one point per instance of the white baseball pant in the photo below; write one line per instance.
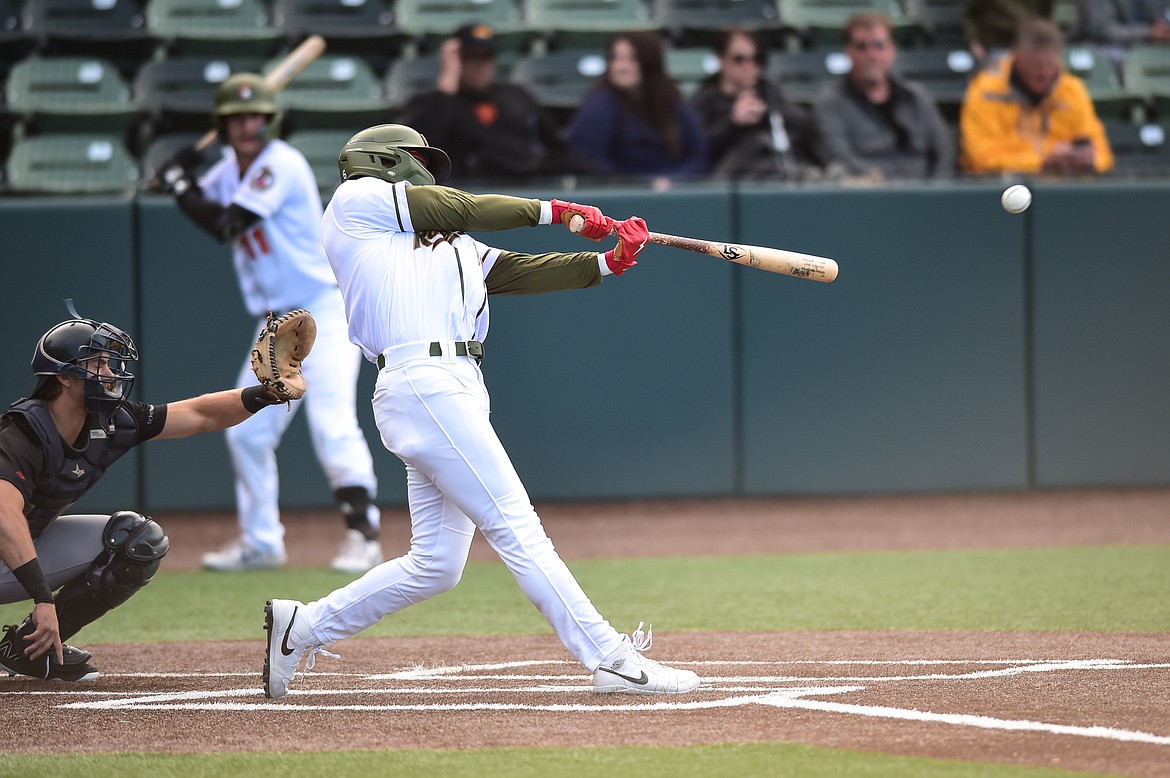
(432, 413)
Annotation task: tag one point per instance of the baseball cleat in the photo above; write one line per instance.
(238, 555)
(289, 641)
(357, 555)
(14, 661)
(626, 671)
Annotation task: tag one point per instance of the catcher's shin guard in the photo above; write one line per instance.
(134, 548)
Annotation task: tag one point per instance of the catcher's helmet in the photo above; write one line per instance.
(384, 151)
(245, 93)
(77, 347)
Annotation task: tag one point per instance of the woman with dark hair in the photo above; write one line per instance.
(753, 130)
(636, 122)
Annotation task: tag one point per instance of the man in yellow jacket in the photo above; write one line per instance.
(1027, 114)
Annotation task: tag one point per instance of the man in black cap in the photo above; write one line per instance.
(493, 130)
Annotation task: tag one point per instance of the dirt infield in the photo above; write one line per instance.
(1082, 701)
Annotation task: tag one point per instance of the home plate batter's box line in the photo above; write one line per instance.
(793, 697)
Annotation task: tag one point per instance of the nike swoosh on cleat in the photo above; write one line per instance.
(284, 649)
(642, 681)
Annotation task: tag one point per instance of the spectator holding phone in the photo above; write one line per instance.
(1029, 115)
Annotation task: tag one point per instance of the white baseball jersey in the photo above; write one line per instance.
(279, 260)
(395, 291)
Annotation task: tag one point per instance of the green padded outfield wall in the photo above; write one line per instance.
(906, 372)
(961, 348)
(55, 248)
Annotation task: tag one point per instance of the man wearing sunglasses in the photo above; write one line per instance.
(875, 124)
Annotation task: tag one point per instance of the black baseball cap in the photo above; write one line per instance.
(476, 39)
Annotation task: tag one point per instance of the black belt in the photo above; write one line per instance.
(469, 348)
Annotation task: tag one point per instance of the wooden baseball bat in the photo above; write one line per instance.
(789, 263)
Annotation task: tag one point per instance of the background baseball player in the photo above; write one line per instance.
(263, 199)
(53, 448)
(415, 289)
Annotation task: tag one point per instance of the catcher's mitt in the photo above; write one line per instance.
(282, 346)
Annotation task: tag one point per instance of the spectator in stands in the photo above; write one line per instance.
(636, 121)
(492, 129)
(875, 124)
(990, 25)
(1029, 115)
(753, 131)
(1116, 25)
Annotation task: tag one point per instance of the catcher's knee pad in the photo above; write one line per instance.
(134, 546)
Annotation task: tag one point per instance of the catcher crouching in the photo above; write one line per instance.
(58, 443)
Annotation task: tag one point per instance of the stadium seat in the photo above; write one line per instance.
(802, 74)
(820, 23)
(335, 90)
(944, 72)
(1100, 79)
(429, 21)
(408, 77)
(359, 27)
(689, 66)
(70, 94)
(215, 27)
(321, 148)
(940, 22)
(91, 21)
(180, 93)
(560, 79)
(1146, 78)
(71, 164)
(579, 24)
(694, 22)
(1139, 149)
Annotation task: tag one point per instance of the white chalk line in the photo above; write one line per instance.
(744, 690)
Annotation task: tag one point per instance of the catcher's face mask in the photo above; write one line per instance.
(97, 353)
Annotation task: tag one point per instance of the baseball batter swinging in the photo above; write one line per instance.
(416, 288)
(263, 199)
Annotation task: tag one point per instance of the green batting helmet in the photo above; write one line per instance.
(383, 151)
(245, 93)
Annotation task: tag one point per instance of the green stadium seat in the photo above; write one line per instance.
(944, 72)
(1100, 79)
(801, 75)
(940, 22)
(365, 28)
(335, 90)
(560, 79)
(1139, 149)
(579, 24)
(695, 22)
(321, 148)
(690, 66)
(820, 23)
(429, 21)
(89, 21)
(214, 27)
(71, 164)
(1146, 78)
(408, 77)
(179, 94)
(70, 94)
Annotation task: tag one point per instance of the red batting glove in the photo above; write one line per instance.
(633, 236)
(597, 224)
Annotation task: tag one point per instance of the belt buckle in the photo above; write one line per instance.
(475, 349)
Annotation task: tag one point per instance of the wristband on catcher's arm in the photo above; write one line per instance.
(257, 397)
(33, 580)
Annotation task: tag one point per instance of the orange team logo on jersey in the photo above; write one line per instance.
(487, 113)
(262, 180)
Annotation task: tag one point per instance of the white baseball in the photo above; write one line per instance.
(1016, 199)
(577, 223)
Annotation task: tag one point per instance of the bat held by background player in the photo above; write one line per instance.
(789, 263)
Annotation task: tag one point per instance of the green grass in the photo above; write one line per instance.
(758, 759)
(1106, 589)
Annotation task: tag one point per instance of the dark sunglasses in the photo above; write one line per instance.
(740, 59)
(877, 45)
